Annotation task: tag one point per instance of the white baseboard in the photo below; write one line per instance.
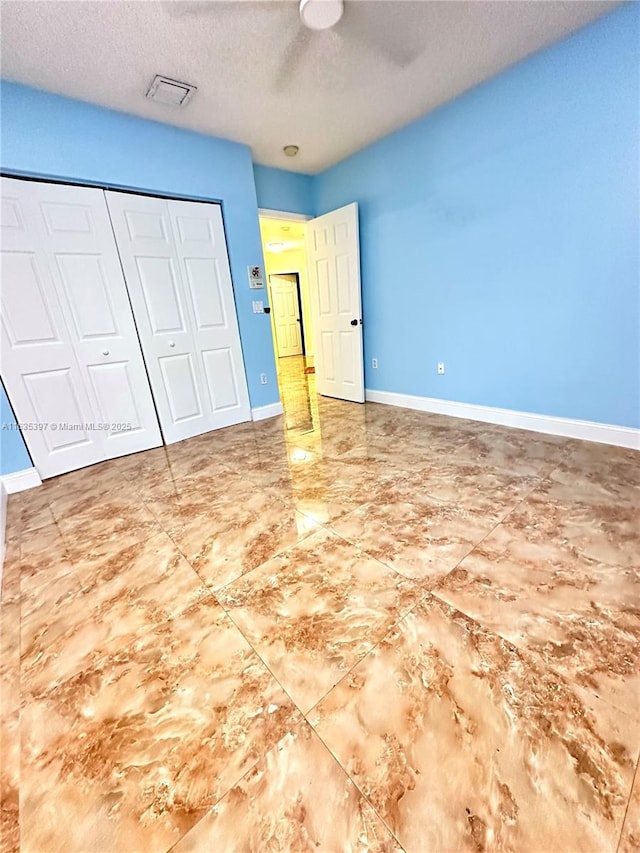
(270, 411)
(21, 480)
(567, 427)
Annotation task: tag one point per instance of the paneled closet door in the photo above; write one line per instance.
(58, 243)
(177, 271)
(39, 366)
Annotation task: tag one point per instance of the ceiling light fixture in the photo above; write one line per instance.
(321, 14)
(275, 247)
(291, 150)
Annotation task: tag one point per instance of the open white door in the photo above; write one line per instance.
(333, 255)
(285, 304)
(71, 360)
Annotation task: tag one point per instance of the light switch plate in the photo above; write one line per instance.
(258, 307)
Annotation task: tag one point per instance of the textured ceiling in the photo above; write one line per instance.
(264, 81)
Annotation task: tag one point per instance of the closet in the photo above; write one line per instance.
(118, 323)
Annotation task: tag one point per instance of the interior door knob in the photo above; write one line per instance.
(172, 344)
(105, 352)
(354, 322)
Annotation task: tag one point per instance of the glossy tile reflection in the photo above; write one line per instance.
(352, 628)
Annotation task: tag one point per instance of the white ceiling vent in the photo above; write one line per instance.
(164, 90)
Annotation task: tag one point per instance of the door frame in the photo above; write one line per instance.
(288, 216)
(299, 293)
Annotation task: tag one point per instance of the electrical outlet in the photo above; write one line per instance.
(263, 379)
(374, 363)
(441, 367)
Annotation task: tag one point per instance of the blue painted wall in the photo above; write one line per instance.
(48, 136)
(500, 235)
(278, 189)
(13, 453)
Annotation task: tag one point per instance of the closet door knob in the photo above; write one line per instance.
(172, 344)
(105, 352)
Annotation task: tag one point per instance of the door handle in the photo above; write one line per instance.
(172, 344)
(354, 322)
(105, 352)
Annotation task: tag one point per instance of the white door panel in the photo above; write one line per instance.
(285, 303)
(70, 352)
(181, 387)
(175, 260)
(202, 252)
(94, 299)
(39, 366)
(333, 250)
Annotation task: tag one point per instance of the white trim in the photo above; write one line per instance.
(264, 412)
(585, 430)
(3, 525)
(21, 480)
(283, 214)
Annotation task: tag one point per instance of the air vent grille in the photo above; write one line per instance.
(164, 90)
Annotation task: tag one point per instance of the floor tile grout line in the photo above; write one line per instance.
(432, 594)
(355, 784)
(246, 574)
(305, 714)
(490, 532)
(262, 754)
(341, 681)
(471, 549)
(299, 723)
(523, 650)
(636, 775)
(435, 590)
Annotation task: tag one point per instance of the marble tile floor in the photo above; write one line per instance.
(354, 628)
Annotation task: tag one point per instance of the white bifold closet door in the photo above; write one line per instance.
(70, 356)
(175, 262)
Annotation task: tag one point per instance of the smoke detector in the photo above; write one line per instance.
(164, 90)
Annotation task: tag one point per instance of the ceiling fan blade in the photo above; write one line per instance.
(274, 10)
(294, 55)
(189, 8)
(393, 28)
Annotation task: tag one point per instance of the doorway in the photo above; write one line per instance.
(285, 256)
(319, 258)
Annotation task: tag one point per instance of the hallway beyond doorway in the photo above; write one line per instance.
(297, 383)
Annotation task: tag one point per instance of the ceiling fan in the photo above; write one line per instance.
(393, 30)
(321, 14)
